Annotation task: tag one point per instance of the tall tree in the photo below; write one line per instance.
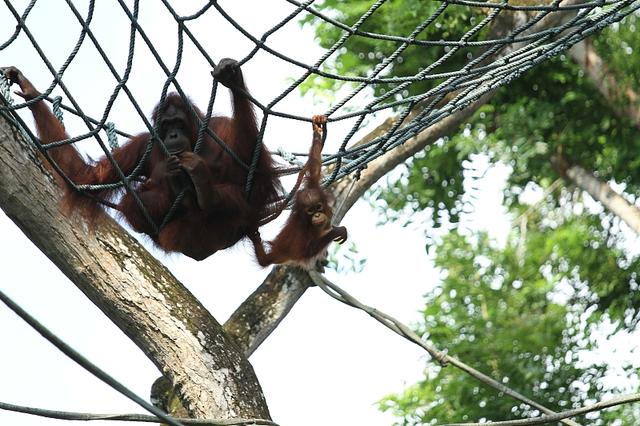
(205, 360)
(519, 312)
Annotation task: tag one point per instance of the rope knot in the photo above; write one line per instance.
(57, 110)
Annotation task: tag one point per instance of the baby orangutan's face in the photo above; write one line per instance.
(315, 207)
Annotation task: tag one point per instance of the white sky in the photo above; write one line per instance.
(326, 363)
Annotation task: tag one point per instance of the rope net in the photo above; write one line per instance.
(467, 67)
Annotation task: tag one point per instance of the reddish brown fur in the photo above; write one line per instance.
(301, 241)
(194, 231)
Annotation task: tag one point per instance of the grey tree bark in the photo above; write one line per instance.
(600, 191)
(609, 198)
(626, 103)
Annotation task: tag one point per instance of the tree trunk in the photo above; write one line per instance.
(600, 191)
(261, 313)
(623, 100)
(132, 288)
(254, 320)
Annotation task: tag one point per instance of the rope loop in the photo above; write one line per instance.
(486, 62)
(57, 111)
(112, 136)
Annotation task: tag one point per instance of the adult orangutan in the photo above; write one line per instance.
(216, 211)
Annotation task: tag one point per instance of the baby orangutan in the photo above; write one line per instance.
(308, 231)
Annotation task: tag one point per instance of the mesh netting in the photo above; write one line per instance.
(493, 59)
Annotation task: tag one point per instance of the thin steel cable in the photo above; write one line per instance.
(84, 362)
(138, 418)
(443, 358)
(553, 418)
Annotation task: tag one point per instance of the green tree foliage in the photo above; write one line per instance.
(524, 312)
(554, 109)
(516, 312)
(432, 180)
(359, 55)
(618, 47)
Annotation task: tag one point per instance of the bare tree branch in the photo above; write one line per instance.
(261, 313)
(600, 191)
(254, 320)
(553, 418)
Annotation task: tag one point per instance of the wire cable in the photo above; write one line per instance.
(84, 362)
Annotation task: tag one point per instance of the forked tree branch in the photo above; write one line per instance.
(348, 191)
(132, 288)
(261, 313)
(150, 305)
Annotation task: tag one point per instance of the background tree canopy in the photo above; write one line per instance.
(530, 309)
